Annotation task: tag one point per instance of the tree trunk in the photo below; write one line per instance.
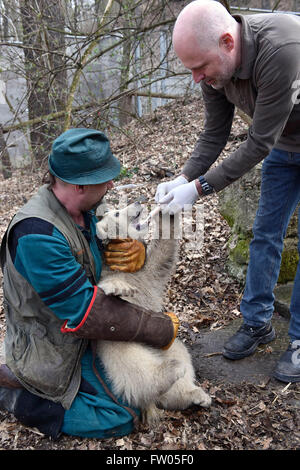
(45, 71)
(4, 157)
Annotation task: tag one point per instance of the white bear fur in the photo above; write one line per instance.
(146, 377)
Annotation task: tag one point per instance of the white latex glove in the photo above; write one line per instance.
(165, 188)
(178, 197)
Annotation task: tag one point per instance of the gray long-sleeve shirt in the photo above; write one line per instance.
(266, 87)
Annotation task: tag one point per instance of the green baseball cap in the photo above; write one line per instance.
(83, 156)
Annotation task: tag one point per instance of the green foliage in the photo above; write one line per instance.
(126, 172)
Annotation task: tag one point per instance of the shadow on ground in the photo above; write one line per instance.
(257, 369)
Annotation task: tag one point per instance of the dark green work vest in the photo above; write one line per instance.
(46, 361)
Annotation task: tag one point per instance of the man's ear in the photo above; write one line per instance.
(79, 188)
(226, 42)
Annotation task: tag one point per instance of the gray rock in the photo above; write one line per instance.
(238, 205)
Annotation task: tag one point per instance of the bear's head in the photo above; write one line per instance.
(123, 223)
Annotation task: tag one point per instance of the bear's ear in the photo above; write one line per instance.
(102, 228)
(102, 208)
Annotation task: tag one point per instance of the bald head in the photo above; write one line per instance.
(205, 21)
(204, 27)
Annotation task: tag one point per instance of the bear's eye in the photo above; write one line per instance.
(117, 214)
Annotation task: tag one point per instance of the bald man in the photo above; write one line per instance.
(252, 62)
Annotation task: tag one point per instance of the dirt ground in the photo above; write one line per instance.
(243, 416)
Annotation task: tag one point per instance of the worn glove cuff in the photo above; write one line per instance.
(175, 321)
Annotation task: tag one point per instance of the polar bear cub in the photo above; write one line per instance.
(146, 377)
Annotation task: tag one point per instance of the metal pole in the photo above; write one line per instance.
(262, 10)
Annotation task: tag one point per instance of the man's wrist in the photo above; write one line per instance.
(204, 189)
(198, 187)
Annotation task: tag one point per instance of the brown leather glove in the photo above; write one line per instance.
(113, 319)
(175, 321)
(125, 254)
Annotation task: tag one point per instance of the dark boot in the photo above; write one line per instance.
(10, 389)
(245, 341)
(9, 398)
(288, 366)
(7, 378)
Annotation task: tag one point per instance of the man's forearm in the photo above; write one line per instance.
(217, 126)
(112, 319)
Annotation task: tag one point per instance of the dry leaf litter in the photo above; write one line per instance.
(243, 416)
